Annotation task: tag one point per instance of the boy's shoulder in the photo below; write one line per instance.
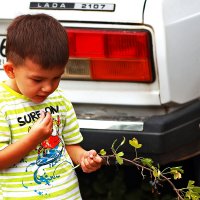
(4, 97)
(62, 94)
(3, 92)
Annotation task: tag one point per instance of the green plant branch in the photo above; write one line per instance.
(191, 192)
(142, 167)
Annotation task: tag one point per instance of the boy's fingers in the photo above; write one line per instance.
(86, 166)
(91, 161)
(46, 117)
(92, 153)
(98, 159)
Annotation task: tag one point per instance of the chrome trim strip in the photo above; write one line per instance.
(111, 125)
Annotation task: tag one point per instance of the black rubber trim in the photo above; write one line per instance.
(166, 138)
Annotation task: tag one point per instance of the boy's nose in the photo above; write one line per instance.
(47, 88)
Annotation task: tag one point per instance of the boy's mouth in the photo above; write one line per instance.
(40, 98)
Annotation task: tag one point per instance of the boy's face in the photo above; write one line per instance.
(34, 82)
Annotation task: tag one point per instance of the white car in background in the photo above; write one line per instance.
(134, 70)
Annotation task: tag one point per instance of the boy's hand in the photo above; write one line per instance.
(90, 161)
(42, 128)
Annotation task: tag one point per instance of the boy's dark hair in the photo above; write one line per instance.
(38, 37)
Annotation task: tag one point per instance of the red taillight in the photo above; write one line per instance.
(109, 55)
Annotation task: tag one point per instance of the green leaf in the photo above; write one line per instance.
(147, 162)
(123, 141)
(120, 154)
(176, 172)
(190, 183)
(179, 169)
(188, 194)
(196, 189)
(102, 152)
(193, 192)
(134, 143)
(177, 175)
(119, 159)
(194, 196)
(156, 172)
(113, 145)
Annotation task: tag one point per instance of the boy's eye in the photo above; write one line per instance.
(37, 80)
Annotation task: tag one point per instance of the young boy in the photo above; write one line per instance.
(39, 134)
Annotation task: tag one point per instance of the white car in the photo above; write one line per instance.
(134, 70)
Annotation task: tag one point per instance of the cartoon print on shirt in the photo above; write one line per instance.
(50, 143)
(49, 154)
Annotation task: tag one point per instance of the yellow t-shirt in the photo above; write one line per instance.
(46, 172)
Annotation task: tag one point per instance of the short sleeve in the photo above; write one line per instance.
(71, 131)
(5, 138)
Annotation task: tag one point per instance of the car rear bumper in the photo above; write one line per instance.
(167, 138)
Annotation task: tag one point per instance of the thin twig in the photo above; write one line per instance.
(133, 162)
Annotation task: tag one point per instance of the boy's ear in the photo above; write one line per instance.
(9, 69)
